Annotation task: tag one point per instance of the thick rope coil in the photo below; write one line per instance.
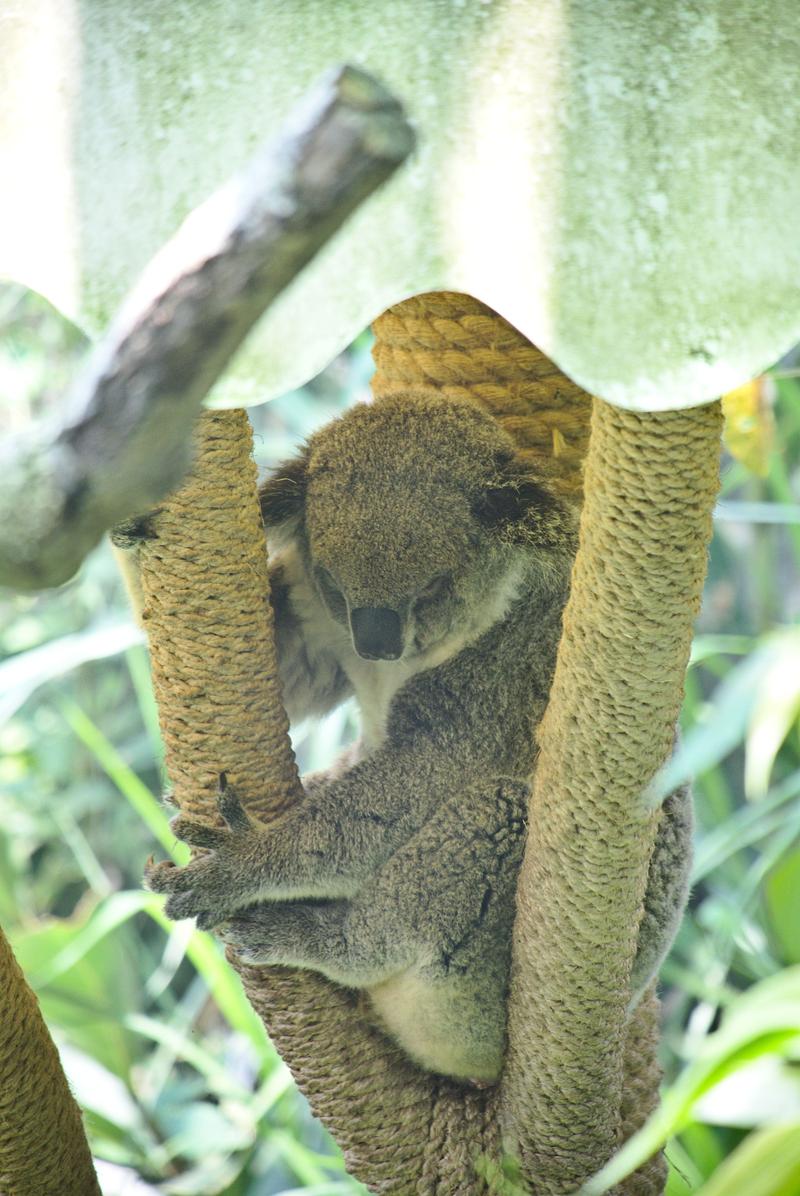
(43, 1147)
(452, 343)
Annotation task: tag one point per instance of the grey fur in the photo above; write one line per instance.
(397, 873)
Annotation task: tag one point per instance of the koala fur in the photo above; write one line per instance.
(420, 566)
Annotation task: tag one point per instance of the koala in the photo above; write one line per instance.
(420, 565)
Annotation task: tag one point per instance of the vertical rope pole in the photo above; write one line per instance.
(206, 609)
(43, 1146)
(641, 1076)
(650, 484)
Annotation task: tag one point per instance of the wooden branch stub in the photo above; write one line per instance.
(125, 439)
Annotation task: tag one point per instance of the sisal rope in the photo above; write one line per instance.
(210, 635)
(651, 481)
(455, 344)
(43, 1147)
(641, 1078)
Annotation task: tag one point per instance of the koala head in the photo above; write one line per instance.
(410, 515)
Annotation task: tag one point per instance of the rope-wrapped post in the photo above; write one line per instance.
(650, 485)
(641, 1076)
(203, 576)
(43, 1146)
(209, 622)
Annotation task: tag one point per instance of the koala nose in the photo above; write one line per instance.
(377, 632)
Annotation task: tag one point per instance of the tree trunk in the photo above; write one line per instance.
(43, 1147)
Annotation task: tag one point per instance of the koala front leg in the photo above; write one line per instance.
(244, 862)
(326, 847)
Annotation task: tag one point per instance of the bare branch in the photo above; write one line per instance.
(125, 441)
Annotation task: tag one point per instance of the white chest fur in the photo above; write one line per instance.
(377, 681)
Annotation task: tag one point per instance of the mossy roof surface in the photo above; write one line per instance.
(620, 180)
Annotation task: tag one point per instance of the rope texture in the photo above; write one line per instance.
(455, 344)
(641, 1078)
(651, 481)
(43, 1147)
(211, 641)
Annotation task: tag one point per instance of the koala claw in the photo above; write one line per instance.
(231, 808)
(167, 877)
(197, 833)
(156, 875)
(209, 887)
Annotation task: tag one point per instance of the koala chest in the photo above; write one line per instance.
(375, 683)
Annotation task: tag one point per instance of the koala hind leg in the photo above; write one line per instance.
(316, 934)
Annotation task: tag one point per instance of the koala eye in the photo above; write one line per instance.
(434, 589)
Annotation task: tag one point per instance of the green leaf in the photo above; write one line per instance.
(201, 1128)
(776, 709)
(764, 1092)
(767, 1163)
(126, 780)
(677, 1184)
(758, 512)
(88, 1000)
(706, 646)
(701, 1145)
(22, 674)
(710, 740)
(764, 1020)
(111, 913)
(745, 827)
(782, 896)
(139, 668)
(181, 1044)
(107, 1096)
(223, 985)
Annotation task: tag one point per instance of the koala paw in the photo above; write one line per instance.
(212, 886)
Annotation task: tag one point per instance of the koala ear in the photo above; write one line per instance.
(522, 510)
(283, 495)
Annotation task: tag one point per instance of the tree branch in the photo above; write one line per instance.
(125, 440)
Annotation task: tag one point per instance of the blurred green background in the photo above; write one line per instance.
(182, 1091)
